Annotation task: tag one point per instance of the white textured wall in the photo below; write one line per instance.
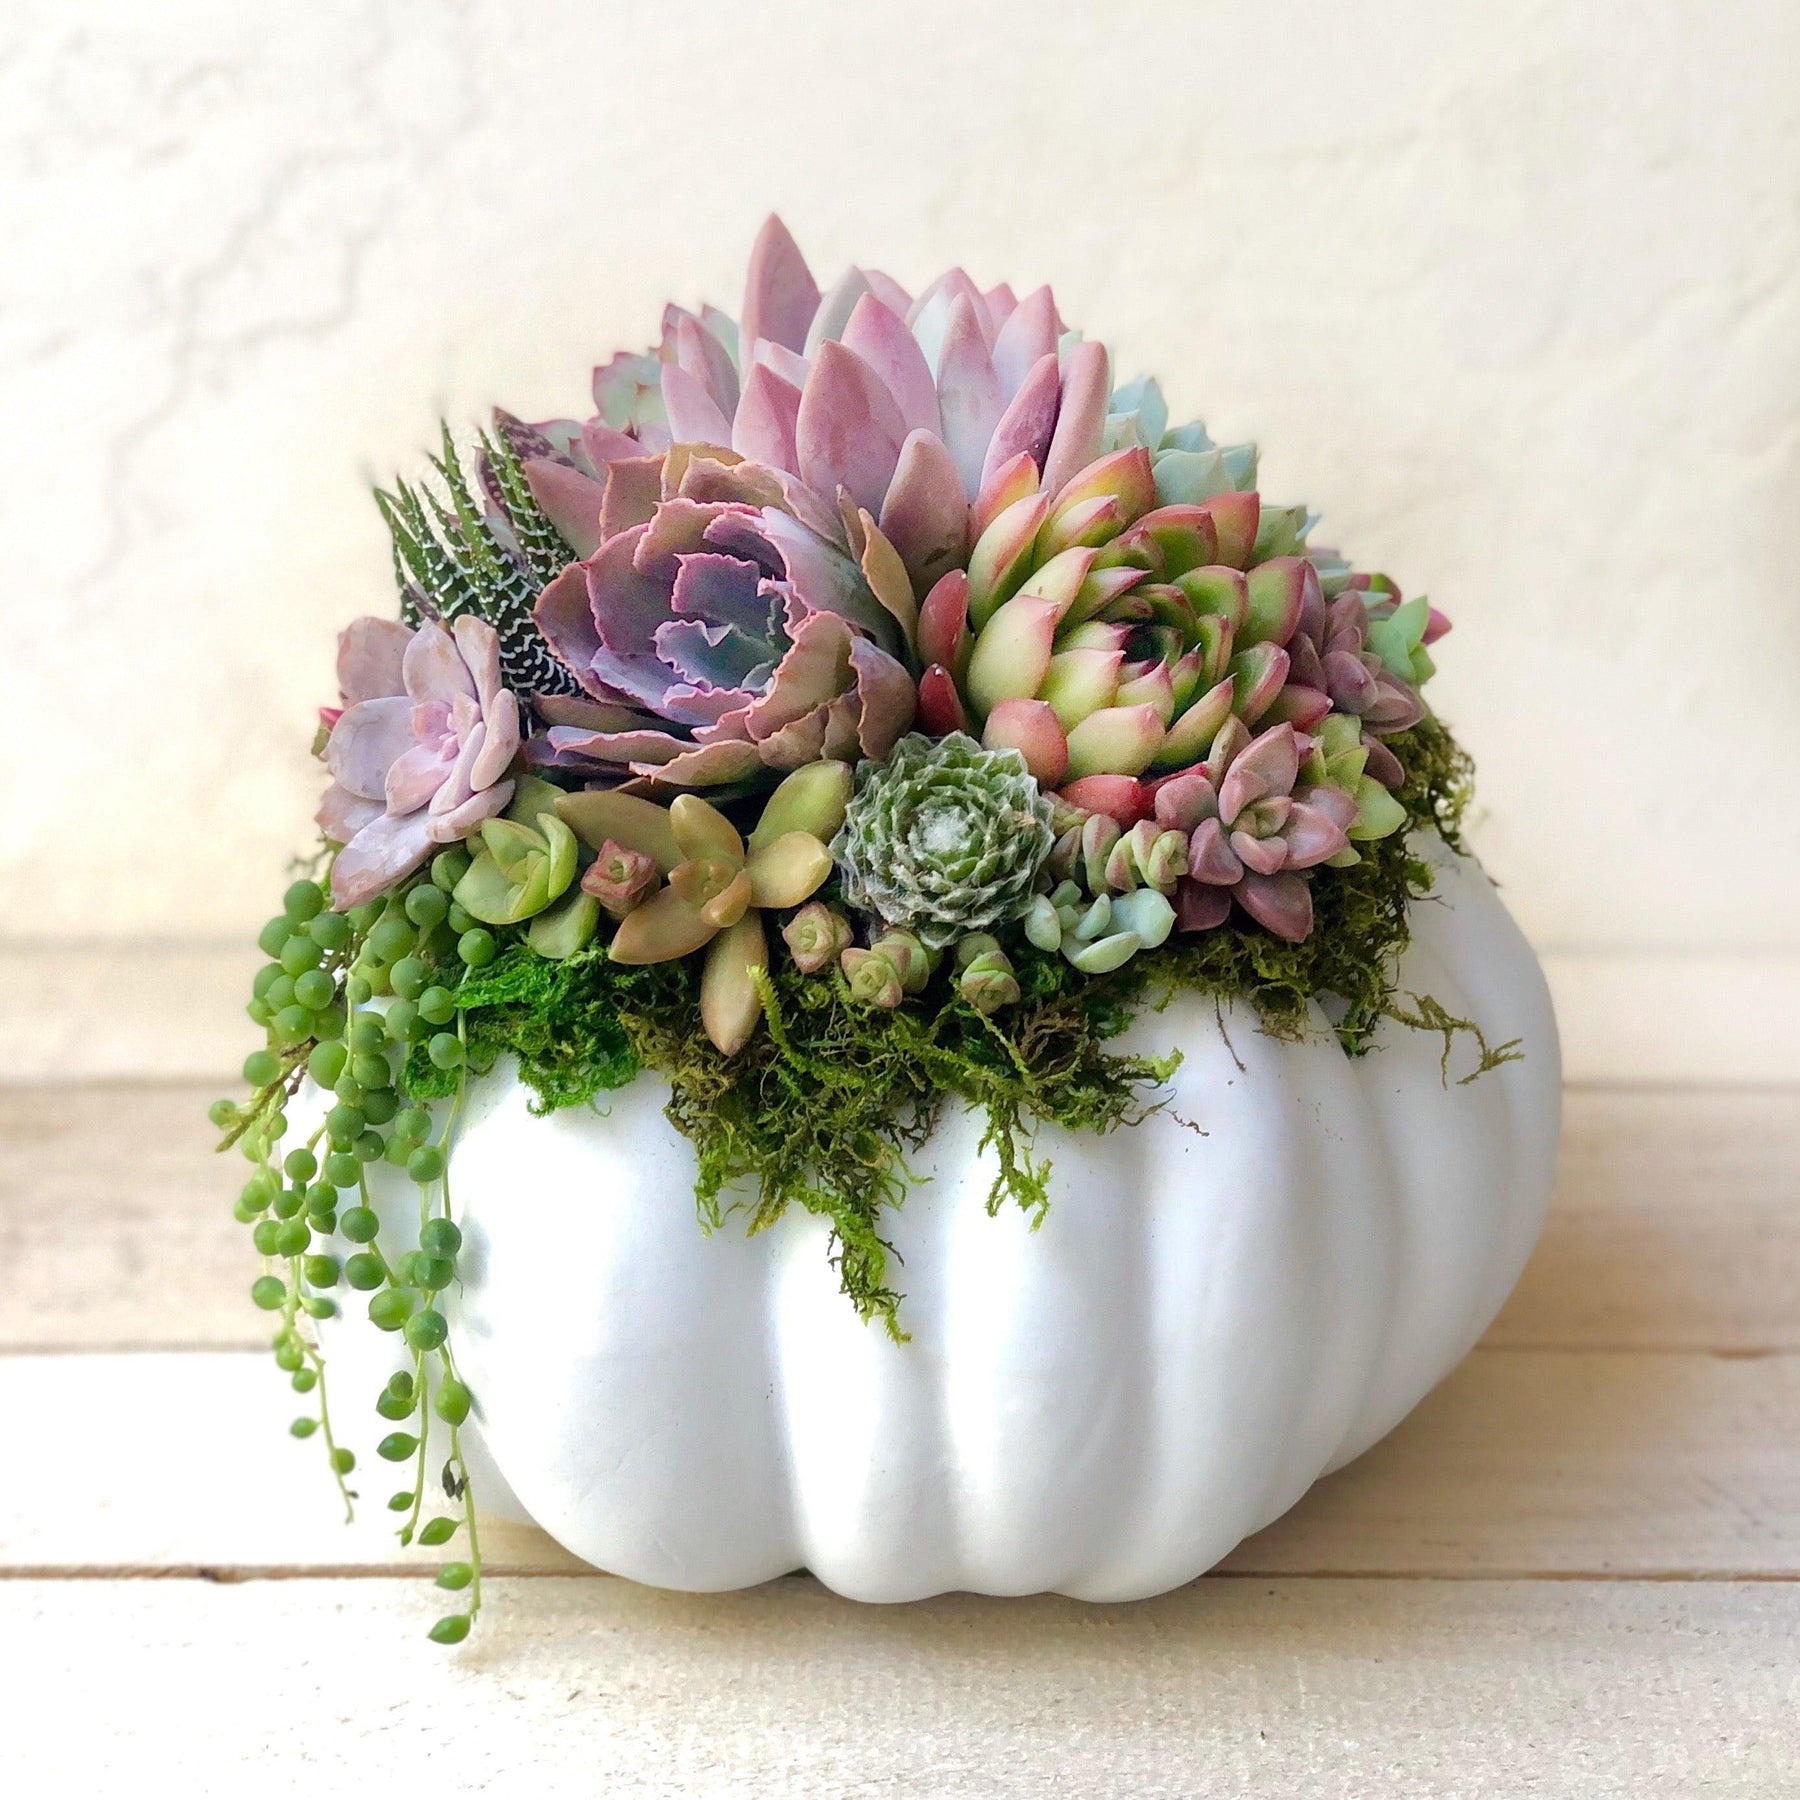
(1510, 292)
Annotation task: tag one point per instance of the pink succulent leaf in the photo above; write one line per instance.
(1184, 800)
(1350, 685)
(1269, 766)
(834, 312)
(1436, 624)
(369, 659)
(1123, 798)
(1026, 427)
(365, 743)
(969, 394)
(925, 515)
(790, 365)
(1338, 807)
(1031, 728)
(1211, 858)
(780, 295)
(1081, 419)
(501, 717)
(416, 774)
(603, 446)
(1199, 907)
(478, 643)
(881, 339)
(1312, 834)
(1027, 335)
(1265, 856)
(940, 705)
(928, 318)
(342, 814)
(433, 668)
(1383, 764)
(885, 696)
(702, 356)
(1280, 903)
(889, 292)
(849, 431)
(454, 823)
(385, 851)
(943, 632)
(695, 417)
(565, 617)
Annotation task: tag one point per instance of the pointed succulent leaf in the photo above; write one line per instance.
(1121, 797)
(780, 295)
(941, 709)
(1002, 555)
(1116, 740)
(1080, 681)
(1009, 483)
(849, 431)
(925, 516)
(1012, 654)
(1081, 418)
(1280, 903)
(1259, 673)
(703, 831)
(944, 622)
(1280, 531)
(1235, 519)
(1278, 590)
(1031, 728)
(883, 342)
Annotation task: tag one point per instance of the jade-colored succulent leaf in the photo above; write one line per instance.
(568, 926)
(811, 799)
(532, 797)
(602, 814)
(485, 892)
(787, 871)
(664, 927)
(703, 831)
(1103, 955)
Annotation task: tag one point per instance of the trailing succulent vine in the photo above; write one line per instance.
(869, 709)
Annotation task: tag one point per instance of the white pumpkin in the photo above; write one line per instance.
(1223, 1303)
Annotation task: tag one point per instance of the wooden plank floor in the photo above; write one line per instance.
(1574, 1571)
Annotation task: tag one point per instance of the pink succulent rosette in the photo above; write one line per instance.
(717, 638)
(906, 407)
(420, 754)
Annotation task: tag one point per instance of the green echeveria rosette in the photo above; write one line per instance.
(944, 838)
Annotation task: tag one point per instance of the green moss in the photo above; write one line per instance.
(823, 1108)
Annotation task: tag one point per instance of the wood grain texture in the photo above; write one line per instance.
(1523, 1463)
(1676, 1224)
(1352, 1690)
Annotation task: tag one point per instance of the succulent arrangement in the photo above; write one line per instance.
(870, 703)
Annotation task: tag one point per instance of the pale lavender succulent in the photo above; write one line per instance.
(717, 638)
(906, 408)
(421, 752)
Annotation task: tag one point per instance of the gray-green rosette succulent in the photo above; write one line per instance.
(944, 838)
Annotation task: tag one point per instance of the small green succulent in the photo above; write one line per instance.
(944, 838)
